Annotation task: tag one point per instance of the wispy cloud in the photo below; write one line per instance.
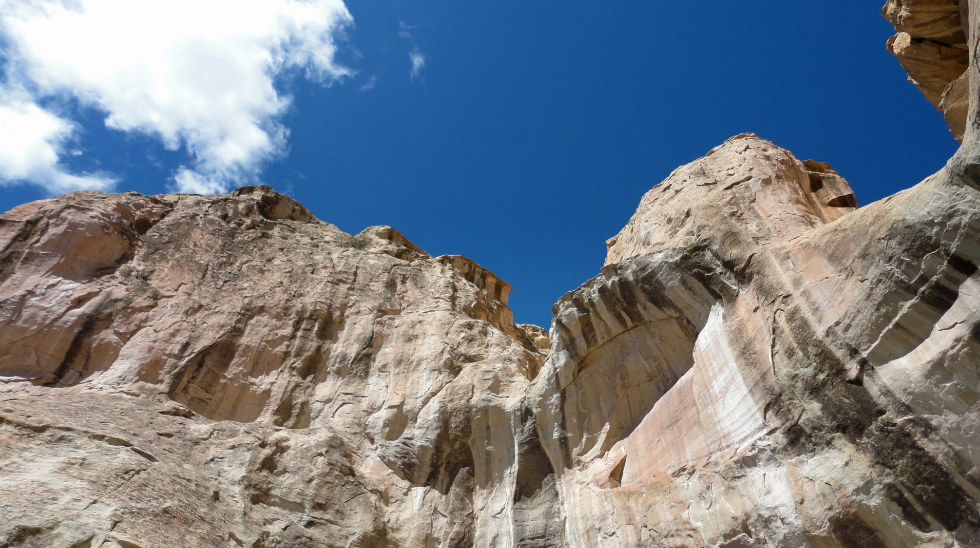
(369, 85)
(404, 28)
(416, 56)
(197, 75)
(418, 63)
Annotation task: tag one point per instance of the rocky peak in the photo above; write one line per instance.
(746, 187)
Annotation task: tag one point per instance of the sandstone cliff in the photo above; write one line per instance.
(229, 367)
(758, 363)
(933, 45)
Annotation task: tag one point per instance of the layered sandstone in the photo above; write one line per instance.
(758, 363)
(932, 43)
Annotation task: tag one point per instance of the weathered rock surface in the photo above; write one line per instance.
(932, 45)
(759, 363)
(235, 365)
(745, 373)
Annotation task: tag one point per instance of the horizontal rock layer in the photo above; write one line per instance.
(931, 43)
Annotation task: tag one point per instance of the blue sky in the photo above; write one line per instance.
(519, 134)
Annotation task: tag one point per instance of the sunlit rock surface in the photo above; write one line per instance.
(744, 372)
(235, 364)
(758, 363)
(932, 44)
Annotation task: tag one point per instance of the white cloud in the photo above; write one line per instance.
(404, 29)
(418, 63)
(31, 140)
(192, 182)
(369, 85)
(195, 74)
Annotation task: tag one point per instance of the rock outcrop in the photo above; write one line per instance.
(232, 363)
(758, 363)
(932, 44)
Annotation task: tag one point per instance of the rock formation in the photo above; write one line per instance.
(758, 363)
(932, 44)
(235, 366)
(738, 349)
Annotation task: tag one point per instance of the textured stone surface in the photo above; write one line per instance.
(322, 386)
(744, 373)
(931, 43)
(758, 363)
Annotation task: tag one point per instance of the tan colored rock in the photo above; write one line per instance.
(931, 44)
(938, 20)
(758, 363)
(744, 372)
(748, 187)
(304, 351)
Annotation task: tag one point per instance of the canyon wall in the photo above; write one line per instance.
(758, 363)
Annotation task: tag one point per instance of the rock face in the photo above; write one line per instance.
(932, 44)
(234, 364)
(759, 363)
(744, 372)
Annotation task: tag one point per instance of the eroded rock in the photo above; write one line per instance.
(931, 43)
(755, 366)
(339, 367)
(758, 363)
